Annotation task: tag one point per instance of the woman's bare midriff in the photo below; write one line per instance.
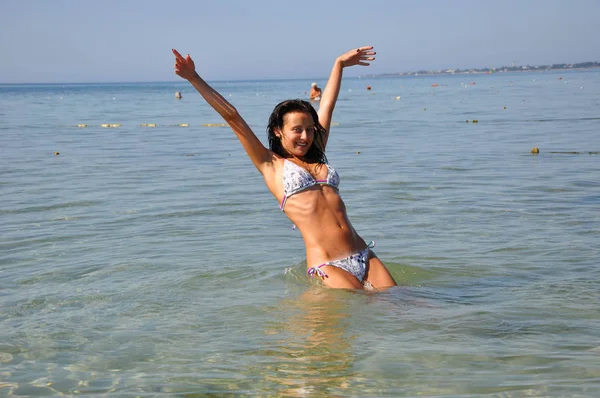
(320, 215)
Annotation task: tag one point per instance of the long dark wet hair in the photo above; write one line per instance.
(316, 152)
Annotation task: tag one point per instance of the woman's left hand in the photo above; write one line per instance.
(358, 56)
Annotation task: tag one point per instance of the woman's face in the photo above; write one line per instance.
(297, 133)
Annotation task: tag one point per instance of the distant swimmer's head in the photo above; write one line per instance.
(294, 129)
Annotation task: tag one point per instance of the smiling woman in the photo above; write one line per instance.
(292, 130)
(296, 172)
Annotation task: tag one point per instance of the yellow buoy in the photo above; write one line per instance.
(215, 125)
(56, 153)
(115, 125)
(82, 125)
(535, 150)
(184, 125)
(148, 125)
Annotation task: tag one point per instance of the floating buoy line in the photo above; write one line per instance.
(535, 151)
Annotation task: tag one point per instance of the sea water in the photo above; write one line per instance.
(152, 260)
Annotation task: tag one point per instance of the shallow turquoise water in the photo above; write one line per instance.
(147, 261)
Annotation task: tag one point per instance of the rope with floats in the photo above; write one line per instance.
(535, 151)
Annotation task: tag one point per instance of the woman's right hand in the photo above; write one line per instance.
(184, 67)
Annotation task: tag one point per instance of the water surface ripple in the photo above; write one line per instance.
(149, 261)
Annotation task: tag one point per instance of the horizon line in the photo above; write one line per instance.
(425, 72)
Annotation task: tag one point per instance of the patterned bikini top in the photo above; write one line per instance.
(296, 179)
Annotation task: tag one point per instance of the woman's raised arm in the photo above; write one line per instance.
(260, 156)
(358, 56)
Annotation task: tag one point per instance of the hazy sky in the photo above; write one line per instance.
(131, 40)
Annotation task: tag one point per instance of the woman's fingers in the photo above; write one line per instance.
(364, 51)
(365, 55)
(178, 56)
(361, 56)
(183, 65)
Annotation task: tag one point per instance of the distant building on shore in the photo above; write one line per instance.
(486, 70)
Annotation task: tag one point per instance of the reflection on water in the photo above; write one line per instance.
(310, 350)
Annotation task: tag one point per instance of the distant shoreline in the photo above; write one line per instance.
(490, 71)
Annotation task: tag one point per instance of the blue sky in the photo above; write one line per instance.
(131, 40)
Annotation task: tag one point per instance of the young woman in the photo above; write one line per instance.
(296, 172)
